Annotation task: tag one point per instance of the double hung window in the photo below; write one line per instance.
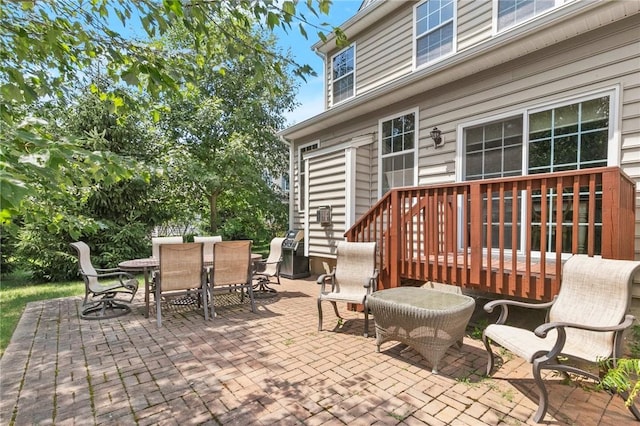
(398, 150)
(434, 30)
(513, 12)
(343, 75)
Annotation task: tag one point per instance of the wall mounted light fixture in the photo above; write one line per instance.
(436, 135)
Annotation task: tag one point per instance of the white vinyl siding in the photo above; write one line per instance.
(302, 173)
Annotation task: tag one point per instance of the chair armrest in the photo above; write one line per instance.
(112, 274)
(324, 278)
(107, 269)
(504, 305)
(371, 283)
(543, 329)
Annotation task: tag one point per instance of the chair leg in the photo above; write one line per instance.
(366, 321)
(158, 308)
(251, 299)
(544, 397)
(319, 315)
(490, 360)
(335, 309)
(634, 410)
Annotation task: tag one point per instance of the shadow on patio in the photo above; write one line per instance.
(272, 367)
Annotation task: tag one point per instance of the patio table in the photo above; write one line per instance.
(149, 264)
(430, 321)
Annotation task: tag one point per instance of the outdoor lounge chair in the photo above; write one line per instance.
(232, 270)
(181, 273)
(353, 278)
(585, 321)
(268, 271)
(102, 287)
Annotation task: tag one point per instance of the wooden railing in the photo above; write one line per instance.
(506, 236)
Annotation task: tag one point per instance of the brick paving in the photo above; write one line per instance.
(272, 367)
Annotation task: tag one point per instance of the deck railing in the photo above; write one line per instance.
(507, 236)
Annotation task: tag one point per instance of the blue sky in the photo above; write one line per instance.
(310, 94)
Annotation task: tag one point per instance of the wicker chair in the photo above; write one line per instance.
(231, 270)
(585, 321)
(268, 271)
(181, 273)
(353, 278)
(101, 290)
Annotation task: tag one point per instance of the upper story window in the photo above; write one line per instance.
(343, 74)
(398, 140)
(434, 30)
(512, 12)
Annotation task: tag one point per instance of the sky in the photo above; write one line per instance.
(310, 93)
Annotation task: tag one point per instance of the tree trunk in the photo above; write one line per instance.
(214, 213)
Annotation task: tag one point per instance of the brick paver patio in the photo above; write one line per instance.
(272, 367)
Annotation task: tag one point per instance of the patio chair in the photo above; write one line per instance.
(232, 270)
(353, 278)
(156, 242)
(585, 322)
(208, 244)
(182, 274)
(102, 287)
(268, 271)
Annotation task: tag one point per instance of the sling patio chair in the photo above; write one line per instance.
(181, 273)
(208, 244)
(353, 278)
(156, 242)
(102, 287)
(232, 270)
(585, 322)
(268, 271)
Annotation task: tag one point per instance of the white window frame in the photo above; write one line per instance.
(454, 40)
(416, 112)
(614, 145)
(302, 200)
(496, 4)
(333, 99)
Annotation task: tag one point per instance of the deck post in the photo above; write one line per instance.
(394, 240)
(618, 215)
(475, 233)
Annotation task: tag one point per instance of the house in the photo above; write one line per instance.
(480, 143)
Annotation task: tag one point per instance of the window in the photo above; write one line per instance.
(343, 75)
(570, 136)
(434, 30)
(302, 173)
(494, 150)
(397, 147)
(512, 12)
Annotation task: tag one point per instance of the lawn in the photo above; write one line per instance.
(16, 291)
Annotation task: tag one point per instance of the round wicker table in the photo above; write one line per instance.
(430, 321)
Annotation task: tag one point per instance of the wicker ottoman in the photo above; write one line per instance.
(429, 321)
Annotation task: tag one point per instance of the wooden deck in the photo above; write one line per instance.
(423, 232)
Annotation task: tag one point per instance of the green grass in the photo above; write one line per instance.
(16, 291)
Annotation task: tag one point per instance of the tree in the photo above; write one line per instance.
(225, 122)
(47, 44)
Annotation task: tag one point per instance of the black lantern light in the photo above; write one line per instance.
(436, 135)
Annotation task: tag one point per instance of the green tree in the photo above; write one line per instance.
(225, 125)
(46, 45)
